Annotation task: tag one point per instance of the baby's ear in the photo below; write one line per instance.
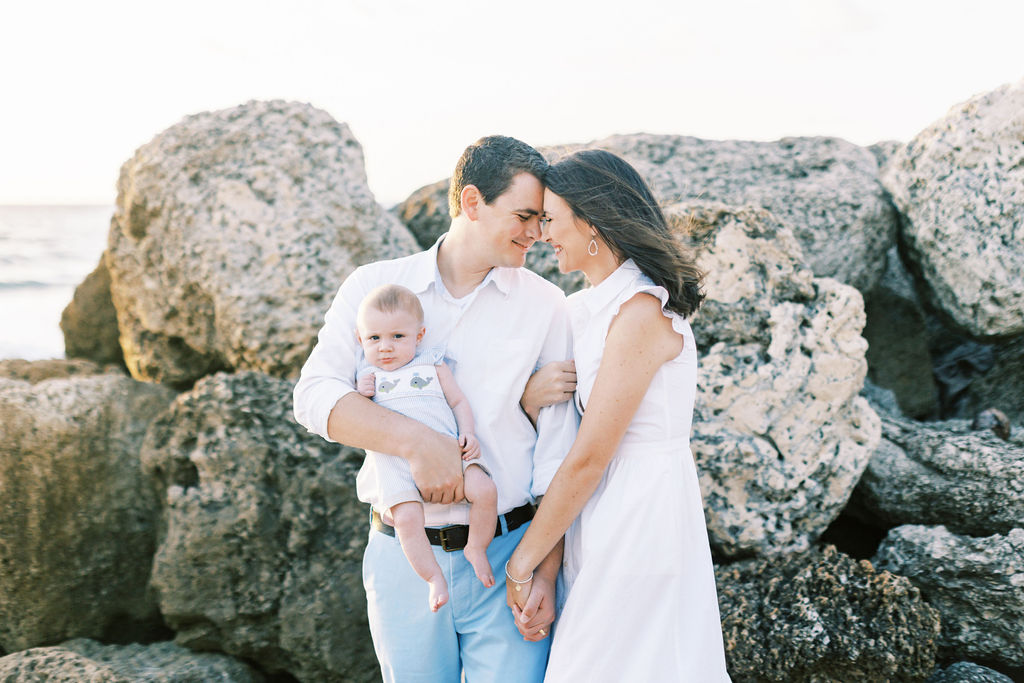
(359, 340)
(419, 335)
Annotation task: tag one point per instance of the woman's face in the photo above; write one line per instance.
(569, 236)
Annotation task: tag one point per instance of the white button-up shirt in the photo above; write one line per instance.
(494, 338)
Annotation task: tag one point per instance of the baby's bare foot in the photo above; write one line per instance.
(438, 592)
(481, 565)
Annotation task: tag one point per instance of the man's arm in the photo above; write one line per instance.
(327, 403)
(434, 458)
(556, 424)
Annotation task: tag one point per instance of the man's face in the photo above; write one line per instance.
(510, 224)
(389, 339)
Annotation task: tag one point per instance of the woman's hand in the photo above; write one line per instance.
(535, 617)
(553, 383)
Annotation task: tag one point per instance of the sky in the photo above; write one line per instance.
(86, 83)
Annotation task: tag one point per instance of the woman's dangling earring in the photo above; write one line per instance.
(592, 247)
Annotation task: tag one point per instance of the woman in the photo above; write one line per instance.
(641, 601)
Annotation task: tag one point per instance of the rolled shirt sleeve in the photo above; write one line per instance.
(556, 424)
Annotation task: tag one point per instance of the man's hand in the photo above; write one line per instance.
(436, 467)
(367, 385)
(470, 447)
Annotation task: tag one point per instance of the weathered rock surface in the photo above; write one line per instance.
(78, 524)
(261, 551)
(884, 150)
(821, 616)
(1002, 385)
(976, 584)
(897, 335)
(960, 188)
(425, 213)
(232, 232)
(89, 322)
(968, 672)
(943, 473)
(87, 661)
(35, 371)
(826, 190)
(781, 434)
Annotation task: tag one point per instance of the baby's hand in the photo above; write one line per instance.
(367, 385)
(470, 447)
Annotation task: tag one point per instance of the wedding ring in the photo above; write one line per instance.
(543, 632)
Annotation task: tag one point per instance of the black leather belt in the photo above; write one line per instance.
(455, 536)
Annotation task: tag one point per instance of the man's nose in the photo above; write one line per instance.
(533, 229)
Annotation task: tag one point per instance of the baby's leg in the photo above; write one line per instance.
(483, 516)
(409, 527)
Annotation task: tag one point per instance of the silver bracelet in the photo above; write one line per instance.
(519, 584)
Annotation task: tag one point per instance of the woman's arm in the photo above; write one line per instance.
(640, 340)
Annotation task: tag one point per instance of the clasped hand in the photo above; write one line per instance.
(533, 606)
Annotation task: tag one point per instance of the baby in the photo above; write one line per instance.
(403, 378)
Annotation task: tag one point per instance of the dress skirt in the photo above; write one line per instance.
(638, 583)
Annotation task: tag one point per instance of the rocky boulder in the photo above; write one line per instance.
(261, 549)
(960, 188)
(89, 322)
(943, 473)
(35, 371)
(976, 584)
(780, 434)
(822, 616)
(87, 661)
(826, 190)
(78, 522)
(232, 232)
(426, 215)
(968, 672)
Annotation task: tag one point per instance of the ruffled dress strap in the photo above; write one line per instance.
(644, 285)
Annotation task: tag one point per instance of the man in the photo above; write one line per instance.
(497, 322)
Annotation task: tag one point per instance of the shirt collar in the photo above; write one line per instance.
(603, 294)
(425, 273)
(424, 270)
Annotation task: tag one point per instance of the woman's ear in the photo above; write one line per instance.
(470, 198)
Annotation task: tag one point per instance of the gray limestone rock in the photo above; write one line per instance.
(87, 661)
(968, 672)
(78, 523)
(822, 616)
(89, 322)
(35, 371)
(780, 433)
(884, 150)
(826, 190)
(232, 232)
(1002, 385)
(261, 549)
(976, 584)
(960, 188)
(943, 473)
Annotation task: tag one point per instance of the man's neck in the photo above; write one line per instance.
(461, 268)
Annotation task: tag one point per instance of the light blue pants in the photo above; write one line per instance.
(473, 631)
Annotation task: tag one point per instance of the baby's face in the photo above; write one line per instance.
(389, 340)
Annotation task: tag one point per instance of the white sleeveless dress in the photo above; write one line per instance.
(637, 581)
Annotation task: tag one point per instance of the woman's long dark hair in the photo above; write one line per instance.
(604, 191)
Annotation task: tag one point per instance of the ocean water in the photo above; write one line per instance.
(45, 251)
